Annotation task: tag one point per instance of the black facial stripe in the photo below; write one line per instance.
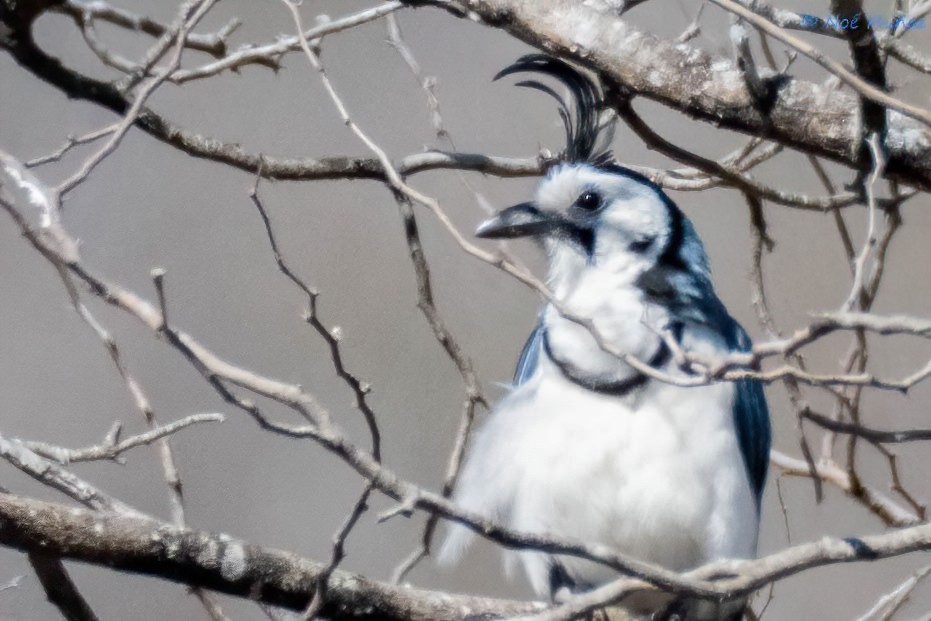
(585, 237)
(670, 257)
(658, 281)
(582, 236)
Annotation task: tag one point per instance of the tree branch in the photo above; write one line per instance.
(221, 563)
(59, 588)
(804, 115)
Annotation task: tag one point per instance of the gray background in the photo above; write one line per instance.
(151, 206)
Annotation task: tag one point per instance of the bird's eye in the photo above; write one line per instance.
(588, 200)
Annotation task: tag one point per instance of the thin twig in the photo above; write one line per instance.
(52, 475)
(474, 394)
(849, 78)
(111, 448)
(762, 242)
(337, 555)
(359, 388)
(427, 83)
(213, 43)
(12, 583)
(890, 603)
(176, 34)
(71, 142)
(890, 512)
(270, 55)
(869, 243)
(877, 436)
(210, 603)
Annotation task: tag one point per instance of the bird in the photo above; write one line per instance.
(584, 446)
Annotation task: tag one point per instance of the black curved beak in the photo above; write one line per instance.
(518, 221)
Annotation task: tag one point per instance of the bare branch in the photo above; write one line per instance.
(691, 81)
(270, 55)
(728, 174)
(889, 603)
(359, 388)
(59, 588)
(109, 58)
(890, 512)
(191, 13)
(70, 143)
(869, 64)
(873, 435)
(111, 448)
(322, 583)
(214, 43)
(761, 242)
(228, 565)
(911, 57)
(211, 605)
(803, 116)
(849, 78)
(474, 394)
(871, 240)
(50, 474)
(427, 84)
(221, 563)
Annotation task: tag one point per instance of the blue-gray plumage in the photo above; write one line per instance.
(584, 445)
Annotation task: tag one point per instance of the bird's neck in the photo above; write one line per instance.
(614, 381)
(570, 272)
(622, 323)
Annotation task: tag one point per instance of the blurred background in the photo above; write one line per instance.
(149, 206)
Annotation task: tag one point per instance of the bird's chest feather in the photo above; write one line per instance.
(657, 475)
(621, 318)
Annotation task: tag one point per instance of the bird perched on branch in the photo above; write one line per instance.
(586, 446)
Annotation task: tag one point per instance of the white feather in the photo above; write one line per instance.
(658, 475)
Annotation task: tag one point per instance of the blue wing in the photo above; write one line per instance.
(751, 419)
(530, 356)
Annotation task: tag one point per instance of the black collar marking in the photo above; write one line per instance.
(617, 388)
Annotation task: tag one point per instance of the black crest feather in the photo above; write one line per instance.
(581, 117)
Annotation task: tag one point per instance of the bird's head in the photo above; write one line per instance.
(590, 211)
(585, 215)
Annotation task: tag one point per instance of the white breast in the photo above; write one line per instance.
(657, 475)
